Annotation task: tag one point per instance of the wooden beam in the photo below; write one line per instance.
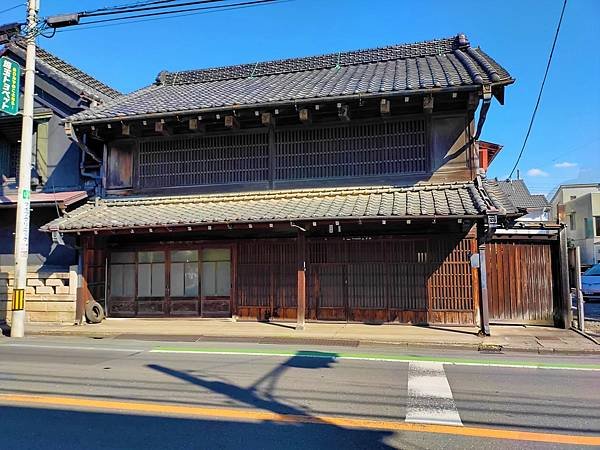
(301, 272)
(162, 128)
(385, 107)
(484, 297)
(428, 104)
(343, 111)
(305, 116)
(267, 119)
(232, 122)
(563, 316)
(126, 129)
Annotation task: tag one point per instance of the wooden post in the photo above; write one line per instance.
(580, 302)
(564, 314)
(485, 313)
(82, 282)
(301, 246)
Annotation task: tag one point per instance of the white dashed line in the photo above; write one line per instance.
(429, 395)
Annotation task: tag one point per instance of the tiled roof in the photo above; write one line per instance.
(72, 76)
(518, 194)
(442, 200)
(63, 198)
(400, 69)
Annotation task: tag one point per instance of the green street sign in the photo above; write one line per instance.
(10, 78)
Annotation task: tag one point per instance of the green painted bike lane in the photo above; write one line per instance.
(509, 363)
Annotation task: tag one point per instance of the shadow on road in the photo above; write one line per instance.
(56, 429)
(260, 395)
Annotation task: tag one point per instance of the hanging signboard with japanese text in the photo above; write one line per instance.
(10, 77)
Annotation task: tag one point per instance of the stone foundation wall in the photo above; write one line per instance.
(49, 296)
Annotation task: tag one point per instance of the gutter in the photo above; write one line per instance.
(311, 100)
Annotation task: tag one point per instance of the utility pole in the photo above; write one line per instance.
(17, 328)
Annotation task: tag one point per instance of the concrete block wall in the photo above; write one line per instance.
(49, 296)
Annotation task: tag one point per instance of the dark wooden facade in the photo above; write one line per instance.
(415, 278)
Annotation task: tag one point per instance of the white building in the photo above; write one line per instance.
(578, 205)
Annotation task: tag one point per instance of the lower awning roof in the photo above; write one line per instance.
(458, 200)
(62, 199)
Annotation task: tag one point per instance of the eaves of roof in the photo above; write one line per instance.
(434, 66)
(452, 200)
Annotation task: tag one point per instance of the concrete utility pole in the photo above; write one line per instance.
(17, 328)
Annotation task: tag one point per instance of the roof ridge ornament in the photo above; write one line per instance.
(461, 41)
(337, 64)
(253, 70)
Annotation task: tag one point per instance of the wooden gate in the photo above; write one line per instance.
(413, 279)
(266, 279)
(520, 285)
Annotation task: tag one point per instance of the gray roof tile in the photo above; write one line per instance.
(442, 63)
(71, 75)
(456, 199)
(516, 193)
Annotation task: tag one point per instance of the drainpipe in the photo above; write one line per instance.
(70, 131)
(487, 102)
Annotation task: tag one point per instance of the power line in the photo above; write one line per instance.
(11, 8)
(196, 11)
(537, 103)
(230, 8)
(147, 8)
(131, 5)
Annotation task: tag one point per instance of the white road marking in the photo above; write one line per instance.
(429, 395)
(73, 347)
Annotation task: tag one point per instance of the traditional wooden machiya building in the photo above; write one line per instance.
(335, 187)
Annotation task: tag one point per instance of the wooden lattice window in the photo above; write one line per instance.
(204, 160)
(352, 150)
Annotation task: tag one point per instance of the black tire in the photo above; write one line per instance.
(94, 312)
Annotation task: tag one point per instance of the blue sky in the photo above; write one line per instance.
(564, 145)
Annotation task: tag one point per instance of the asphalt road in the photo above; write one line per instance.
(75, 393)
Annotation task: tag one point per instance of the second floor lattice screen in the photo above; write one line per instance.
(204, 160)
(352, 150)
(391, 147)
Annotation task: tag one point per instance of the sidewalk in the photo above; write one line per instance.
(506, 338)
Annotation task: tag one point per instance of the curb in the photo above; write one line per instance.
(478, 347)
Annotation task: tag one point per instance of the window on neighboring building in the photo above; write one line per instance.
(597, 220)
(588, 227)
(572, 221)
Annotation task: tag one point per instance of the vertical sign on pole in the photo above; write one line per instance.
(10, 78)
(17, 325)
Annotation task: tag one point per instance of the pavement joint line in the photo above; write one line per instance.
(380, 358)
(338, 421)
(71, 347)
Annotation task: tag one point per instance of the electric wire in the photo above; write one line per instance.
(228, 8)
(179, 12)
(147, 8)
(132, 5)
(11, 8)
(537, 103)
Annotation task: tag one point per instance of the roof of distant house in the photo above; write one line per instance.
(449, 64)
(71, 76)
(518, 194)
